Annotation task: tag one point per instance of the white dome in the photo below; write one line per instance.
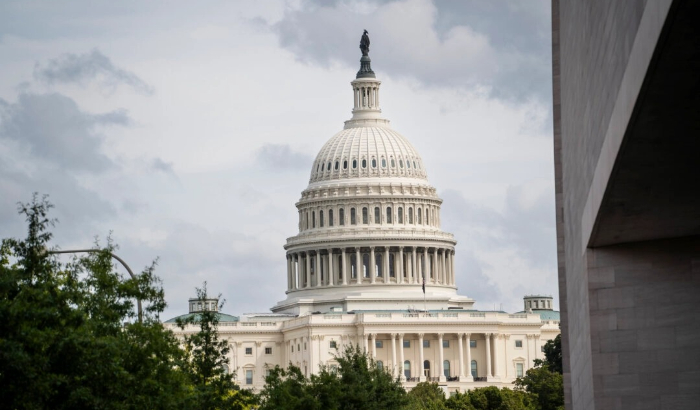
(366, 152)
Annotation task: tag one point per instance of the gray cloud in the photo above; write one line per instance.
(84, 68)
(282, 157)
(54, 129)
(502, 45)
(157, 164)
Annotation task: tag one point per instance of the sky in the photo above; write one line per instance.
(187, 130)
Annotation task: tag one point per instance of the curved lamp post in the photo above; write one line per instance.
(128, 269)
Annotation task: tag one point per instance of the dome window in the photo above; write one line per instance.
(341, 217)
(410, 216)
(354, 163)
(388, 215)
(322, 165)
(383, 163)
(320, 218)
(393, 163)
(419, 217)
(400, 163)
(317, 166)
(345, 164)
(313, 219)
(414, 165)
(364, 163)
(365, 216)
(377, 215)
(400, 215)
(337, 165)
(374, 163)
(408, 164)
(353, 217)
(330, 217)
(329, 166)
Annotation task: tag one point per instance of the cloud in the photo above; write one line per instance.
(282, 157)
(88, 67)
(55, 130)
(158, 164)
(447, 44)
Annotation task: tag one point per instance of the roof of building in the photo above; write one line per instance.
(545, 314)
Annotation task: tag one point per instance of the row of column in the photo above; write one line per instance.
(405, 214)
(306, 270)
(366, 97)
(463, 340)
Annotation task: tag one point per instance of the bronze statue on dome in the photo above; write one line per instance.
(364, 43)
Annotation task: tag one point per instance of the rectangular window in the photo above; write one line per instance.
(248, 377)
(406, 343)
(248, 350)
(400, 215)
(518, 343)
(292, 348)
(472, 344)
(333, 344)
(388, 215)
(330, 217)
(445, 343)
(353, 217)
(377, 215)
(519, 369)
(313, 219)
(426, 343)
(365, 216)
(379, 344)
(320, 215)
(268, 350)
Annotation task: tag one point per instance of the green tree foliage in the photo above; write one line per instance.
(427, 396)
(544, 381)
(205, 363)
(357, 384)
(68, 334)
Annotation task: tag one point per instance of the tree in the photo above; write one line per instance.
(206, 361)
(427, 396)
(552, 355)
(546, 387)
(68, 335)
(356, 384)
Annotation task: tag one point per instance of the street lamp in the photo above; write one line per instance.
(128, 269)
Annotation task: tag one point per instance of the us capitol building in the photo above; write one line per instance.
(371, 266)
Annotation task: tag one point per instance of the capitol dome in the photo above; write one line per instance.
(369, 222)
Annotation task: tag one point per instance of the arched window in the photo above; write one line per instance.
(337, 165)
(408, 164)
(414, 165)
(317, 166)
(427, 212)
(364, 163)
(345, 164)
(393, 163)
(313, 219)
(410, 215)
(225, 368)
(354, 163)
(380, 365)
(374, 163)
(407, 369)
(377, 215)
(426, 368)
(400, 163)
(400, 216)
(365, 215)
(383, 162)
(378, 266)
(446, 368)
(320, 218)
(329, 165)
(474, 369)
(330, 217)
(353, 217)
(341, 217)
(353, 266)
(307, 220)
(388, 214)
(391, 265)
(419, 217)
(365, 265)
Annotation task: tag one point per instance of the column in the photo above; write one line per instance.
(343, 267)
(359, 270)
(436, 267)
(393, 354)
(289, 274)
(488, 356)
(386, 265)
(331, 273)
(372, 266)
(496, 351)
(234, 362)
(401, 375)
(426, 265)
(399, 271)
(365, 341)
(307, 271)
(318, 268)
(442, 359)
(443, 267)
(470, 378)
(421, 373)
(414, 272)
(374, 346)
(461, 356)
